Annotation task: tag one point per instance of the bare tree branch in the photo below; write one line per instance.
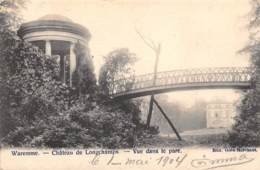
(149, 44)
(157, 50)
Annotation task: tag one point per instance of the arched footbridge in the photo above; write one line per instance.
(186, 79)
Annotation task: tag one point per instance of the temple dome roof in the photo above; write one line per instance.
(54, 17)
(54, 22)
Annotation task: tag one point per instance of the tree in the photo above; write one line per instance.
(104, 126)
(9, 21)
(29, 88)
(118, 66)
(246, 130)
(37, 110)
(84, 79)
(157, 51)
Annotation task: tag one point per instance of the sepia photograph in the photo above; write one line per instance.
(121, 74)
(129, 74)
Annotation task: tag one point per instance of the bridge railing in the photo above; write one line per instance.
(184, 76)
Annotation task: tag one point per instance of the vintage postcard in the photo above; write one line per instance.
(129, 84)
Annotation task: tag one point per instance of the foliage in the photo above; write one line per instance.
(29, 87)
(246, 131)
(83, 79)
(255, 14)
(37, 110)
(107, 125)
(39, 119)
(25, 75)
(8, 22)
(27, 83)
(117, 66)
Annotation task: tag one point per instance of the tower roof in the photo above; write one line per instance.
(54, 22)
(54, 17)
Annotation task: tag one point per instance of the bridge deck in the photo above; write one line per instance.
(191, 79)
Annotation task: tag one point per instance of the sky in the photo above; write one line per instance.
(192, 33)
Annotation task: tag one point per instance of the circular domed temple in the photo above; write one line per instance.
(56, 35)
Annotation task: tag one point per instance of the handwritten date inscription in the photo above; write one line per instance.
(176, 161)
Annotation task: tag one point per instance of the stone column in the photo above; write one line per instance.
(72, 61)
(48, 47)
